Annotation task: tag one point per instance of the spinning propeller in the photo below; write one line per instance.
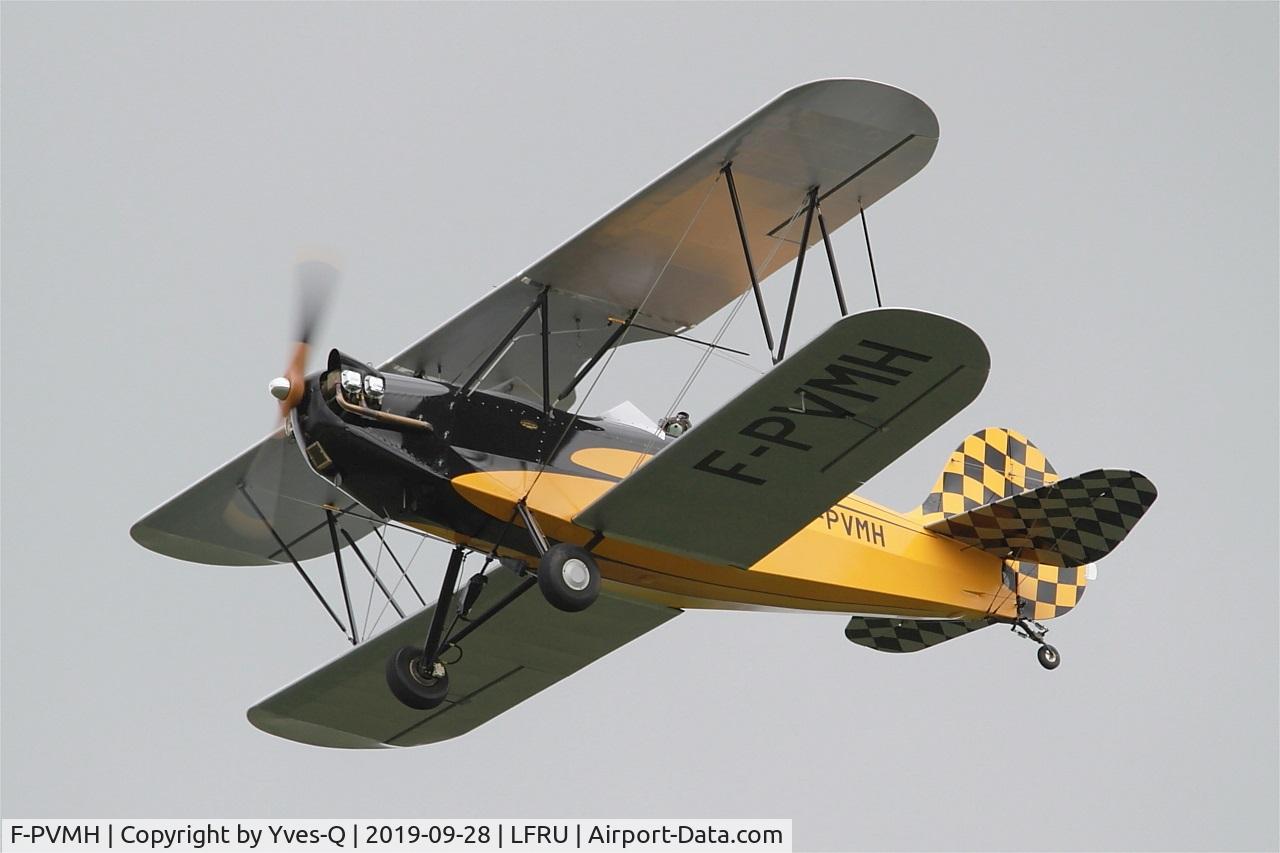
(263, 477)
(317, 281)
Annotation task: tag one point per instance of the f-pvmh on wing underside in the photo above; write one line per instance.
(811, 431)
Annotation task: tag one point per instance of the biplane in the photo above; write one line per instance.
(476, 435)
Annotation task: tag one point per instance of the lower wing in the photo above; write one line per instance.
(524, 649)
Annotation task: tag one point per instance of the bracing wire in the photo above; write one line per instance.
(618, 344)
(399, 580)
(386, 524)
(368, 608)
(707, 352)
(724, 327)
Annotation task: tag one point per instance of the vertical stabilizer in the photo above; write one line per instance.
(991, 464)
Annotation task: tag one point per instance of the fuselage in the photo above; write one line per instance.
(460, 470)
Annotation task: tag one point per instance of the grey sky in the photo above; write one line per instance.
(1102, 209)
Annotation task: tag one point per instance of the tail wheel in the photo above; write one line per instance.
(411, 684)
(1048, 656)
(569, 578)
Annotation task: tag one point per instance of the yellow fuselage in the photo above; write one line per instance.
(857, 557)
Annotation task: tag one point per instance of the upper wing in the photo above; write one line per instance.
(672, 250)
(814, 429)
(527, 647)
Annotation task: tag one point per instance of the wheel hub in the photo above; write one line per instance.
(426, 677)
(576, 574)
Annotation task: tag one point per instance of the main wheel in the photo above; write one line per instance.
(411, 684)
(1048, 657)
(568, 577)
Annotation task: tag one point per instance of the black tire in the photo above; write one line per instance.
(569, 578)
(410, 685)
(1048, 657)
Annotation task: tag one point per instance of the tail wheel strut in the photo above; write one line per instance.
(1034, 631)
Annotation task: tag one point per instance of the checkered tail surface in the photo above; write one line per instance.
(908, 635)
(1069, 523)
(994, 493)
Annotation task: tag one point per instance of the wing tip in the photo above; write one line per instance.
(926, 120)
(308, 733)
(190, 550)
(977, 358)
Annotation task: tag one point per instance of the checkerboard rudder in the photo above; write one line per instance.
(991, 464)
(995, 463)
(1053, 533)
(1045, 591)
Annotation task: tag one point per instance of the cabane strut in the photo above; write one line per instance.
(540, 304)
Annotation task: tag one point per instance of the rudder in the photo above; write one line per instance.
(991, 464)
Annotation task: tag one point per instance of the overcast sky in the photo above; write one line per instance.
(1102, 209)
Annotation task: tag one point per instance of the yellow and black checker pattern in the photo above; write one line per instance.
(908, 635)
(1074, 521)
(1044, 592)
(991, 464)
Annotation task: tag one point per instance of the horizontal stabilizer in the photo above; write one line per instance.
(908, 635)
(1072, 522)
(522, 650)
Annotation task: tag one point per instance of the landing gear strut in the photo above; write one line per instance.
(1034, 631)
(567, 575)
(415, 674)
